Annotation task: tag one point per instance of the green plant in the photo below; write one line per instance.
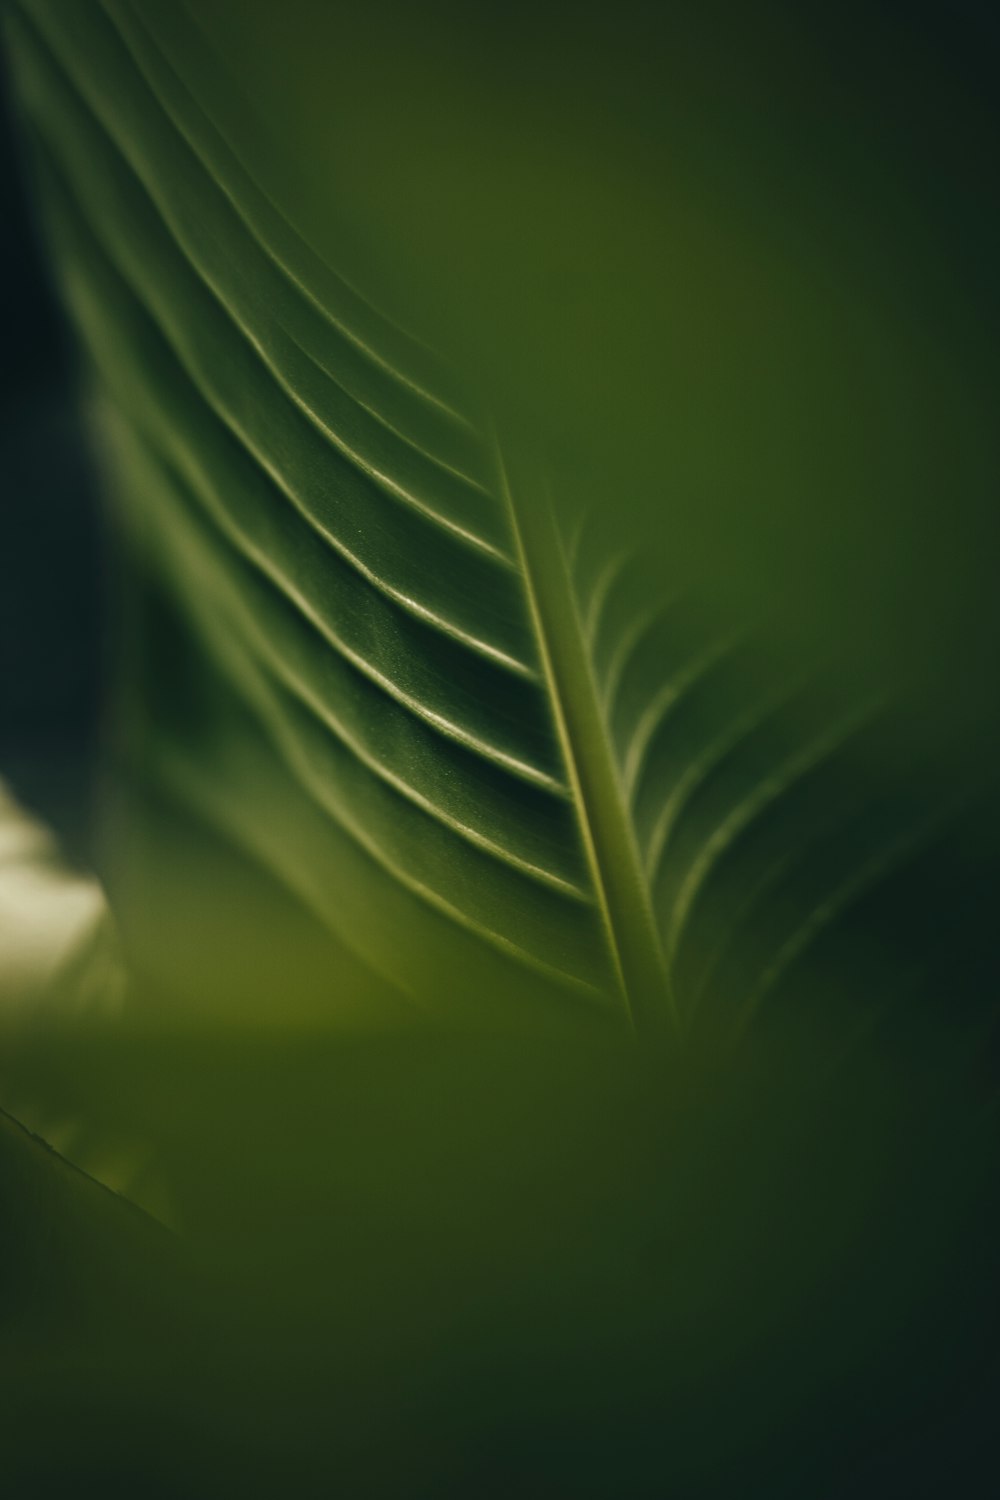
(406, 639)
(413, 678)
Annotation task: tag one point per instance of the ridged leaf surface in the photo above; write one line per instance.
(471, 733)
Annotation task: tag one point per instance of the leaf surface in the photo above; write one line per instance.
(455, 716)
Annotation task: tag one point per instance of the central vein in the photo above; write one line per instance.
(620, 885)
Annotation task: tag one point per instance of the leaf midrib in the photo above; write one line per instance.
(612, 854)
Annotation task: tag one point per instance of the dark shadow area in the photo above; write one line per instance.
(51, 564)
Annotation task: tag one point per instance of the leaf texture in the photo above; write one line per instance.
(423, 691)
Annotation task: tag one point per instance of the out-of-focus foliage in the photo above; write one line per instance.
(57, 941)
(428, 1267)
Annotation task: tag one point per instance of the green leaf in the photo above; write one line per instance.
(462, 720)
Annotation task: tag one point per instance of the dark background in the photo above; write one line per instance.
(51, 563)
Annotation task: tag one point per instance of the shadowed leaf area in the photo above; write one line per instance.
(433, 1268)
